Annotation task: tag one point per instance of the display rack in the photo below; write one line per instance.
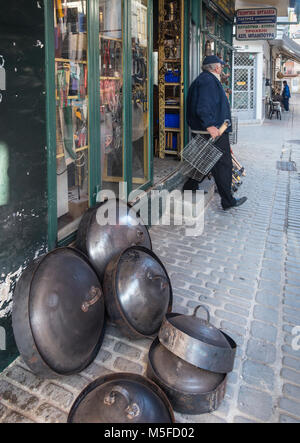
(171, 81)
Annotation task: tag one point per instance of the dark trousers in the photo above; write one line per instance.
(286, 104)
(222, 172)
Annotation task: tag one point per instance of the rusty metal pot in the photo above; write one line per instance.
(121, 398)
(137, 292)
(191, 390)
(102, 242)
(198, 342)
(58, 313)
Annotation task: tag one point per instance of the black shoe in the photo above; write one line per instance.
(238, 202)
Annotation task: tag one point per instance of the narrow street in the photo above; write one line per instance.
(245, 268)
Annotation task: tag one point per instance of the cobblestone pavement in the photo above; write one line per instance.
(244, 268)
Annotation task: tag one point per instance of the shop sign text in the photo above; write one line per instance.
(256, 24)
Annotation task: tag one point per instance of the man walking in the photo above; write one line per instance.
(286, 95)
(207, 109)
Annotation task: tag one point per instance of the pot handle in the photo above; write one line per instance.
(95, 294)
(132, 409)
(140, 236)
(163, 280)
(205, 309)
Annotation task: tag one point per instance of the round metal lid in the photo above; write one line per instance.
(143, 289)
(121, 398)
(107, 229)
(179, 374)
(198, 342)
(65, 313)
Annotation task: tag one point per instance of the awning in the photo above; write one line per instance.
(287, 47)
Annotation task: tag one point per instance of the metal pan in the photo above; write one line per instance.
(198, 342)
(191, 390)
(137, 292)
(122, 398)
(58, 313)
(101, 242)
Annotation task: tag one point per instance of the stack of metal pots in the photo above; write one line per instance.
(60, 306)
(190, 360)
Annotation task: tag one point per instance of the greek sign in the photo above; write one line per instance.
(256, 24)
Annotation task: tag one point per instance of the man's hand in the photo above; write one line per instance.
(214, 132)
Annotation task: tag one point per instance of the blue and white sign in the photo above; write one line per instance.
(256, 24)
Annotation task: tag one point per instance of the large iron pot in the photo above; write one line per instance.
(122, 398)
(58, 313)
(137, 291)
(102, 242)
(198, 342)
(191, 390)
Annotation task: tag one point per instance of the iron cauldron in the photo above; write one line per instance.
(58, 313)
(101, 242)
(121, 398)
(198, 342)
(137, 292)
(191, 390)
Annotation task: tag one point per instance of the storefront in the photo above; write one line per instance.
(80, 111)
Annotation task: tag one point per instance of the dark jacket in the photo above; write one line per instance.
(286, 92)
(207, 103)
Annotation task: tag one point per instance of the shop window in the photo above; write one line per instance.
(72, 142)
(140, 93)
(111, 98)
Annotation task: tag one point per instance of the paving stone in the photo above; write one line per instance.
(58, 395)
(264, 331)
(265, 314)
(240, 419)
(292, 363)
(3, 410)
(292, 390)
(291, 375)
(290, 406)
(125, 365)
(261, 351)
(259, 375)
(128, 351)
(255, 403)
(267, 299)
(231, 317)
(288, 419)
(237, 310)
(24, 377)
(49, 414)
(16, 397)
(14, 417)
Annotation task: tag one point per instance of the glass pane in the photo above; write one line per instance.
(140, 93)
(240, 100)
(111, 100)
(71, 114)
(241, 80)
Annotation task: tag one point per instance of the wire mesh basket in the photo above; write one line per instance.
(199, 157)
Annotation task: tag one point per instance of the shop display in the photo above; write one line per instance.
(58, 313)
(170, 77)
(137, 292)
(121, 398)
(71, 110)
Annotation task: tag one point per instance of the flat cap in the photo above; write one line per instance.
(211, 59)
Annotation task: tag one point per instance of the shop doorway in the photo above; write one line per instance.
(244, 80)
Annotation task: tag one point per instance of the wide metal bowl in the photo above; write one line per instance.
(198, 342)
(107, 229)
(58, 313)
(137, 292)
(121, 398)
(191, 390)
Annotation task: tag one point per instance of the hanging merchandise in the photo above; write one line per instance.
(121, 398)
(58, 313)
(137, 292)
